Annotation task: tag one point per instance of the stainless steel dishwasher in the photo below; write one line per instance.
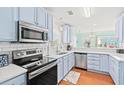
(81, 60)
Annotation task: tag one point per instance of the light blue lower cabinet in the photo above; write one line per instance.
(93, 62)
(71, 61)
(19, 80)
(60, 70)
(66, 65)
(114, 70)
(121, 73)
(98, 62)
(93, 67)
(104, 63)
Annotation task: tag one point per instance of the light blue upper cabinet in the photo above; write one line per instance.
(37, 16)
(69, 34)
(120, 28)
(10, 15)
(42, 17)
(8, 23)
(66, 33)
(27, 14)
(46, 18)
(50, 27)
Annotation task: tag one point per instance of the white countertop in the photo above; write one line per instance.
(10, 71)
(119, 57)
(59, 56)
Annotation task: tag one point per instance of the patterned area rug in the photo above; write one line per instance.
(72, 77)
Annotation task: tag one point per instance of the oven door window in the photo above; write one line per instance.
(49, 77)
(31, 34)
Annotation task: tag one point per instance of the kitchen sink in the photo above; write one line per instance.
(61, 53)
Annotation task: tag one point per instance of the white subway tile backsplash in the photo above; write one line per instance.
(9, 47)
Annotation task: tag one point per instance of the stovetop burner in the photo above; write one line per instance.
(35, 65)
(31, 59)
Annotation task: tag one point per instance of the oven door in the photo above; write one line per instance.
(46, 75)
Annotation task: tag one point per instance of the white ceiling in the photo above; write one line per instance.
(103, 18)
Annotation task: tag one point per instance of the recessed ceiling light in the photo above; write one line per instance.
(88, 11)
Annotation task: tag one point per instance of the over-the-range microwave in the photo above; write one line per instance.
(28, 32)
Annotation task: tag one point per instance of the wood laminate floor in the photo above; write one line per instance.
(90, 78)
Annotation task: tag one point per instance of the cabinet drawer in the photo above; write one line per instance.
(93, 59)
(92, 62)
(93, 55)
(19, 80)
(93, 67)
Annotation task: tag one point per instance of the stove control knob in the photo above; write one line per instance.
(38, 63)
